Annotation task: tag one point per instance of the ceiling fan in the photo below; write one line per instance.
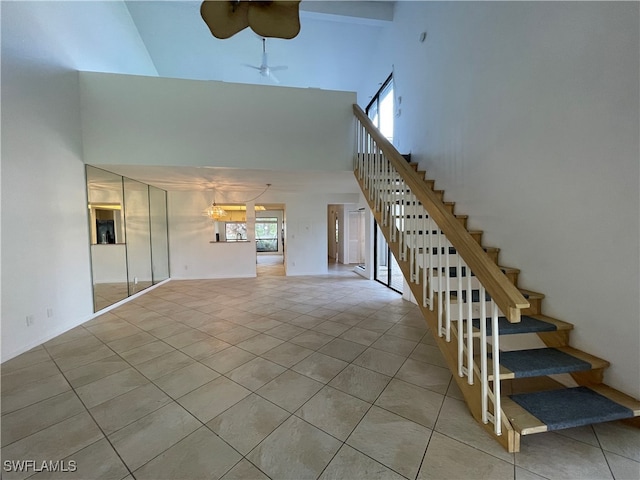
(265, 69)
(277, 18)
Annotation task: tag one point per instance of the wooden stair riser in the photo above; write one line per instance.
(476, 235)
(511, 274)
(535, 306)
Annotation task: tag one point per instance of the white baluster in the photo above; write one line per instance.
(431, 263)
(469, 329)
(495, 352)
(461, 323)
(392, 210)
(439, 277)
(447, 295)
(412, 229)
(483, 356)
(385, 193)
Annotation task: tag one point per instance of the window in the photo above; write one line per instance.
(380, 109)
(267, 234)
(381, 112)
(235, 231)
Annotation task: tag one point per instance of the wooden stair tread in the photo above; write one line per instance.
(509, 269)
(522, 421)
(595, 362)
(560, 325)
(618, 397)
(531, 294)
(564, 408)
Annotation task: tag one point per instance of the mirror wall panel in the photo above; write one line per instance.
(128, 236)
(159, 238)
(136, 217)
(108, 242)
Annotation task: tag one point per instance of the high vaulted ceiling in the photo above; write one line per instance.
(335, 47)
(336, 40)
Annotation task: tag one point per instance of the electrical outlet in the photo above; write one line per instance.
(49, 312)
(135, 280)
(30, 320)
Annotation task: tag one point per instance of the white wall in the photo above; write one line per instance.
(192, 255)
(306, 231)
(45, 236)
(526, 114)
(161, 121)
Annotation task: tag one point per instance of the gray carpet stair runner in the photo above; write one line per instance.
(571, 407)
(527, 324)
(541, 361)
(557, 409)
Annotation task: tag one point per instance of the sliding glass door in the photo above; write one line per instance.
(381, 112)
(387, 271)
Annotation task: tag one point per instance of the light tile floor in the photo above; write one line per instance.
(330, 377)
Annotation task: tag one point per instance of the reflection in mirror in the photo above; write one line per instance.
(108, 251)
(128, 234)
(136, 215)
(159, 239)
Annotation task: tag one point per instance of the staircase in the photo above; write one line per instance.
(466, 296)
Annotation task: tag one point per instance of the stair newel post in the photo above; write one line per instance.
(469, 329)
(460, 317)
(495, 353)
(484, 374)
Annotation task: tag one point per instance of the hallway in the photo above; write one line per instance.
(270, 266)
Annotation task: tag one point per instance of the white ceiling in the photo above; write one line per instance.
(239, 184)
(336, 40)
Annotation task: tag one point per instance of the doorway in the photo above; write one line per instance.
(269, 234)
(345, 234)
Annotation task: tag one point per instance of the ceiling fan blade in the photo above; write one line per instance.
(273, 77)
(252, 66)
(225, 18)
(278, 67)
(278, 18)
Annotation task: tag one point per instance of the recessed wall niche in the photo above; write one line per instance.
(128, 236)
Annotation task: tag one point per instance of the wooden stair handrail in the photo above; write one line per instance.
(504, 293)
